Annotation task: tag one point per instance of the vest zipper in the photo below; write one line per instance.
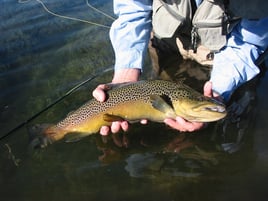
(194, 38)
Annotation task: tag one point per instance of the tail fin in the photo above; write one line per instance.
(41, 135)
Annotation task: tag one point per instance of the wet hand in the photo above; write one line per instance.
(183, 125)
(120, 76)
(117, 126)
(100, 95)
(99, 92)
(186, 126)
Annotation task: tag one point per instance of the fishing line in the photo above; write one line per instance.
(99, 11)
(74, 18)
(97, 74)
(78, 85)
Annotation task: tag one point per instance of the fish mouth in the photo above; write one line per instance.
(218, 109)
(210, 108)
(207, 114)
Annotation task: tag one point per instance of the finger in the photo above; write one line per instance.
(124, 125)
(173, 124)
(144, 121)
(188, 126)
(183, 125)
(208, 89)
(115, 127)
(210, 93)
(99, 92)
(104, 130)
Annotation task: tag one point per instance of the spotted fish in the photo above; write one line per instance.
(154, 100)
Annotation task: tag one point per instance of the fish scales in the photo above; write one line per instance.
(154, 100)
(123, 93)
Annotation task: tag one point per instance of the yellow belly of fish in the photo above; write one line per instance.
(131, 111)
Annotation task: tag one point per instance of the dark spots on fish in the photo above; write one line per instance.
(128, 92)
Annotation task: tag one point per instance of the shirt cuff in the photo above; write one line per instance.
(233, 67)
(129, 59)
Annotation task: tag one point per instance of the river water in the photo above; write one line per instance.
(42, 56)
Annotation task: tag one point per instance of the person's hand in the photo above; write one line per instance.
(120, 76)
(185, 126)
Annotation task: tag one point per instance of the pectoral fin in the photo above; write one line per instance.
(163, 105)
(111, 118)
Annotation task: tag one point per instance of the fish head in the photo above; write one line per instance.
(200, 109)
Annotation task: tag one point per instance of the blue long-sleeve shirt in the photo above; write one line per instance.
(235, 64)
(232, 66)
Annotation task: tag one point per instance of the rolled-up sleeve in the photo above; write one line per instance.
(130, 32)
(235, 64)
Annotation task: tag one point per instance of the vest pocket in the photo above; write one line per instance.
(209, 35)
(209, 24)
(168, 16)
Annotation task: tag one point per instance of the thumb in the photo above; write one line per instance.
(99, 92)
(208, 89)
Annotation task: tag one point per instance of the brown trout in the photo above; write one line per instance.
(154, 100)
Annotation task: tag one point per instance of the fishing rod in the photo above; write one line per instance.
(97, 74)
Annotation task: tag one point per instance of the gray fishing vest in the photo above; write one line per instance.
(208, 25)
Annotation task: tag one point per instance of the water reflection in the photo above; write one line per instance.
(152, 154)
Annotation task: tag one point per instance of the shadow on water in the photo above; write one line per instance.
(226, 161)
